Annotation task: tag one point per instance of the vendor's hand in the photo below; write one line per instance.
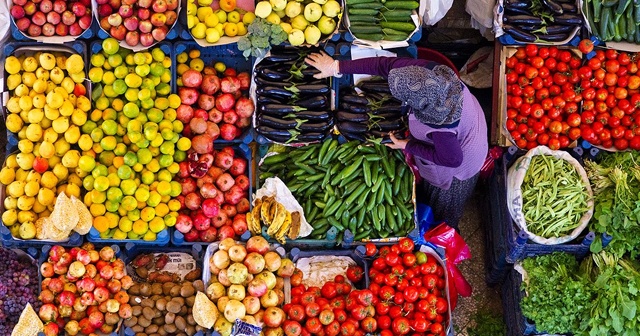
(324, 63)
(396, 143)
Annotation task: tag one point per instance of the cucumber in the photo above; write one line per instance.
(363, 19)
(396, 12)
(370, 37)
(370, 5)
(395, 37)
(361, 11)
(401, 26)
(397, 4)
(357, 29)
(354, 2)
(389, 31)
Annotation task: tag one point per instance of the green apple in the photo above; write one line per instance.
(296, 37)
(326, 25)
(293, 9)
(312, 12)
(312, 34)
(299, 22)
(278, 5)
(263, 9)
(331, 8)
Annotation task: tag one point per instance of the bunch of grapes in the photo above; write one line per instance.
(18, 286)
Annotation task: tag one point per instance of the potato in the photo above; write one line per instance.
(137, 310)
(170, 328)
(158, 320)
(134, 290)
(180, 323)
(169, 318)
(183, 311)
(190, 330)
(166, 287)
(175, 291)
(190, 300)
(191, 320)
(147, 303)
(199, 285)
(137, 328)
(156, 289)
(143, 322)
(148, 313)
(187, 290)
(145, 290)
(151, 329)
(131, 322)
(173, 307)
(161, 304)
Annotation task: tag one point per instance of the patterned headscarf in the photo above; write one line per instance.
(435, 96)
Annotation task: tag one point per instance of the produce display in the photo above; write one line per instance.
(228, 20)
(83, 290)
(372, 114)
(18, 287)
(541, 20)
(548, 184)
(51, 18)
(376, 20)
(348, 186)
(614, 20)
(293, 106)
(247, 283)
(138, 22)
(308, 21)
(131, 144)
(214, 199)
(543, 96)
(46, 108)
(214, 101)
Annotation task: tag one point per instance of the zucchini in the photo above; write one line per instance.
(398, 4)
(362, 11)
(402, 26)
(395, 37)
(396, 12)
(371, 29)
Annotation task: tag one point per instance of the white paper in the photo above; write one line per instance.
(317, 270)
(274, 186)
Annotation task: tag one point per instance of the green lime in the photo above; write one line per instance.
(114, 194)
(119, 86)
(98, 196)
(143, 70)
(179, 156)
(167, 148)
(130, 159)
(165, 160)
(163, 89)
(100, 170)
(87, 182)
(131, 94)
(125, 172)
(176, 189)
(148, 177)
(121, 148)
(128, 187)
(157, 54)
(88, 126)
(142, 194)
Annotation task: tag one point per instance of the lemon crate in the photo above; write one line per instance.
(42, 254)
(243, 150)
(232, 57)
(507, 244)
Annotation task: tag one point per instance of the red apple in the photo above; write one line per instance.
(59, 6)
(23, 24)
(132, 38)
(75, 29)
(146, 39)
(160, 33)
(85, 22)
(17, 12)
(144, 14)
(159, 6)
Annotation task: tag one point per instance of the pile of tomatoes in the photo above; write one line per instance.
(543, 96)
(409, 291)
(611, 100)
(335, 309)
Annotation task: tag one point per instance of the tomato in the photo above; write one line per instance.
(528, 91)
(610, 79)
(543, 139)
(371, 249)
(564, 56)
(401, 326)
(411, 294)
(626, 121)
(574, 133)
(431, 313)
(395, 312)
(392, 259)
(398, 298)
(611, 54)
(340, 278)
(570, 107)
(337, 303)
(623, 79)
(587, 133)
(406, 245)
(585, 46)
(340, 315)
(555, 127)
(635, 143)
(296, 313)
(588, 105)
(386, 293)
(441, 306)
(436, 328)
(369, 324)
(575, 62)
(511, 62)
(550, 63)
(384, 322)
(347, 329)
(544, 73)
(355, 273)
(531, 50)
(540, 95)
(624, 59)
(365, 297)
(359, 312)
(605, 135)
(554, 144)
(633, 82)
(312, 309)
(332, 329)
(292, 328)
(559, 78)
(298, 290)
(329, 290)
(379, 264)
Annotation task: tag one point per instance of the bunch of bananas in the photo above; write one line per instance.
(276, 217)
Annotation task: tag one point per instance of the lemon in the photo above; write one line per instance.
(149, 236)
(9, 217)
(7, 175)
(101, 223)
(129, 203)
(140, 227)
(125, 224)
(156, 225)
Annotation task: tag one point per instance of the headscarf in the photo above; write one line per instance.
(435, 96)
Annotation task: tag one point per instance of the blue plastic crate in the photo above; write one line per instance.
(517, 324)
(20, 36)
(232, 57)
(357, 254)
(243, 150)
(9, 241)
(512, 245)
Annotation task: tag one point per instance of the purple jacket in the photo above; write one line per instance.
(441, 153)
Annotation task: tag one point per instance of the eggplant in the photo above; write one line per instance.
(262, 99)
(556, 37)
(355, 99)
(354, 136)
(308, 89)
(311, 115)
(282, 57)
(388, 116)
(355, 117)
(522, 19)
(569, 8)
(298, 124)
(355, 108)
(517, 4)
(547, 29)
(381, 134)
(314, 102)
(374, 86)
(273, 74)
(379, 97)
(517, 11)
(276, 92)
(387, 125)
(289, 136)
(553, 7)
(568, 19)
(387, 109)
(281, 109)
(519, 34)
(352, 127)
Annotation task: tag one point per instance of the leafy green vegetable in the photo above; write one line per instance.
(261, 35)
(615, 180)
(557, 299)
(487, 324)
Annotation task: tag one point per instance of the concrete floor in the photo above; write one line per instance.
(483, 298)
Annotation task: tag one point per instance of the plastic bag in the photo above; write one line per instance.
(490, 162)
(477, 72)
(456, 250)
(481, 12)
(515, 176)
(436, 10)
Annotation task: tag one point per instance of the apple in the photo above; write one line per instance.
(144, 14)
(68, 18)
(125, 11)
(326, 25)
(160, 33)
(286, 268)
(312, 34)
(30, 8)
(263, 9)
(23, 24)
(115, 19)
(132, 38)
(85, 22)
(296, 37)
(75, 29)
(39, 18)
(312, 12)
(60, 6)
(17, 12)
(221, 259)
(145, 26)
(131, 23)
(278, 5)
(159, 6)
(146, 39)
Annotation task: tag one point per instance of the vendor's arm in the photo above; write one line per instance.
(445, 151)
(380, 66)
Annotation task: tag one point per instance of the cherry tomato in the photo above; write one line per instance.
(370, 249)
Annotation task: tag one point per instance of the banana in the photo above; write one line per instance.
(284, 228)
(280, 214)
(294, 231)
(267, 203)
(252, 223)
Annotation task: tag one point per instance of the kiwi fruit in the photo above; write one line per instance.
(156, 289)
(169, 318)
(134, 290)
(147, 303)
(158, 320)
(170, 328)
(152, 329)
(166, 287)
(191, 320)
(131, 322)
(161, 304)
(142, 272)
(187, 290)
(148, 313)
(137, 310)
(145, 290)
(134, 300)
(198, 285)
(180, 323)
(180, 300)
(137, 329)
(190, 301)
(143, 322)
(183, 310)
(175, 291)
(190, 330)
(173, 307)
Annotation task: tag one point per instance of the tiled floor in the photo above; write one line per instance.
(483, 298)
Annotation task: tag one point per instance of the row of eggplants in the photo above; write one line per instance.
(541, 20)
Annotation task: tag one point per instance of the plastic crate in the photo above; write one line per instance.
(43, 255)
(512, 245)
(357, 254)
(232, 57)
(243, 150)
(517, 324)
(10, 242)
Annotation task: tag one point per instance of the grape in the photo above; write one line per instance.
(18, 286)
